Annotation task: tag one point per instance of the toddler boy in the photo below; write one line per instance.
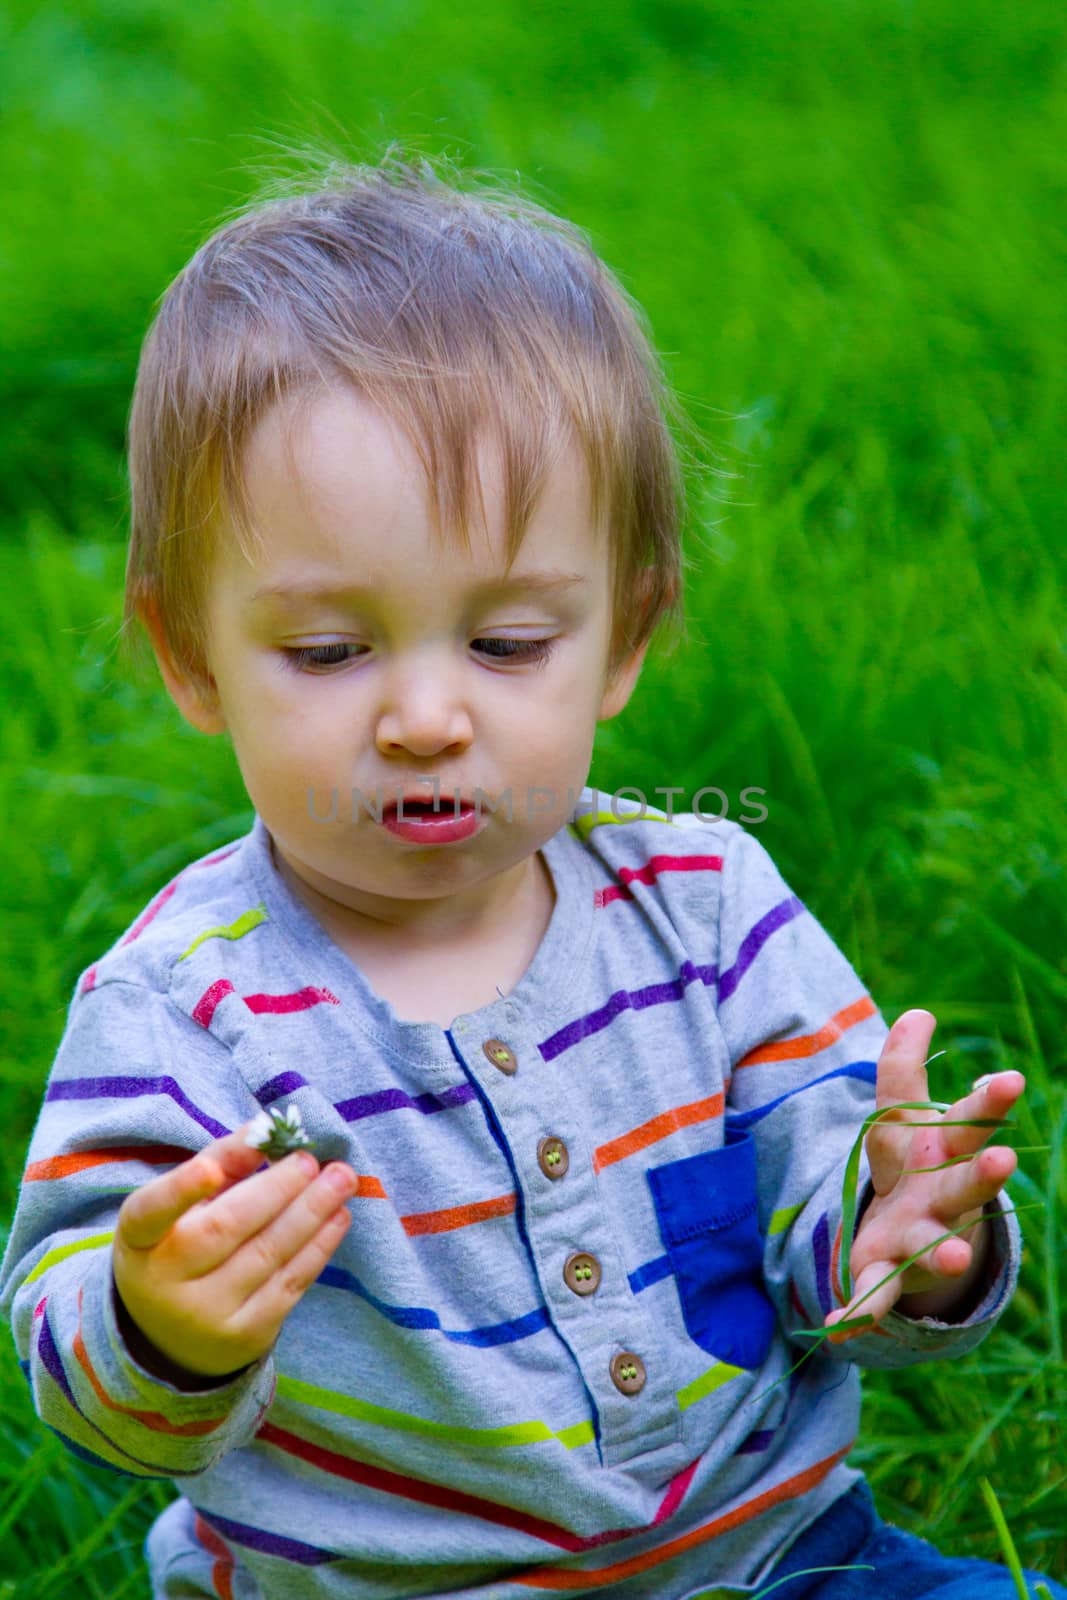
(581, 1079)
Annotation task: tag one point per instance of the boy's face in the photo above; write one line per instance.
(404, 681)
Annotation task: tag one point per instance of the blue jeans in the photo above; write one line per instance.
(905, 1567)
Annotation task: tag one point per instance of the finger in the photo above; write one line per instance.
(146, 1215)
(214, 1233)
(901, 1065)
(994, 1098)
(273, 1301)
(971, 1185)
(274, 1248)
(875, 1293)
(901, 1076)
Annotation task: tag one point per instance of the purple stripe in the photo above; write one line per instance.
(820, 1244)
(284, 1083)
(132, 1089)
(371, 1105)
(271, 1544)
(654, 994)
(53, 1365)
(755, 939)
(50, 1360)
(756, 1442)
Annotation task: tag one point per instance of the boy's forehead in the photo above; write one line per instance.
(329, 476)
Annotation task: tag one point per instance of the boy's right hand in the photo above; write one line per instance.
(210, 1258)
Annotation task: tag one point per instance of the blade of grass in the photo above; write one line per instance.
(1007, 1543)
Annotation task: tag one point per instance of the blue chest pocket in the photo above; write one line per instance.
(706, 1210)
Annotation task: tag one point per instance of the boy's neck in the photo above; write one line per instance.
(519, 898)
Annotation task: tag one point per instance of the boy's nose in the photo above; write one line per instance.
(424, 717)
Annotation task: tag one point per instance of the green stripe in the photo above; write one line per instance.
(62, 1251)
(233, 930)
(518, 1433)
(583, 826)
(785, 1217)
(721, 1373)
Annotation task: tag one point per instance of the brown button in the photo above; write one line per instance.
(627, 1372)
(500, 1055)
(581, 1272)
(552, 1157)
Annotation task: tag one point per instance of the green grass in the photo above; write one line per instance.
(844, 218)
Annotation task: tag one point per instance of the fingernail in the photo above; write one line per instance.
(308, 1165)
(340, 1179)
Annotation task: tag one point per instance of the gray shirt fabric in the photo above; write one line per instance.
(439, 1415)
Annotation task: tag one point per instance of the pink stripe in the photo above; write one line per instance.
(147, 915)
(89, 981)
(299, 1000)
(204, 1009)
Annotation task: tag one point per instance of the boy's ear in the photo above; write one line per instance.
(198, 703)
(621, 686)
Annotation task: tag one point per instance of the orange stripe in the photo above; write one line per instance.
(222, 1569)
(151, 1419)
(555, 1578)
(657, 1128)
(809, 1044)
(458, 1216)
(154, 1155)
(368, 1188)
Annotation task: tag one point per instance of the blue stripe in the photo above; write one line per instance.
(422, 1317)
(864, 1071)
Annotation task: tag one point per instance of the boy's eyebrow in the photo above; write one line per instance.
(539, 583)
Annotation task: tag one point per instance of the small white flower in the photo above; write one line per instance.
(277, 1132)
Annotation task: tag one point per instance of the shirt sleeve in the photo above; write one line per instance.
(136, 1087)
(804, 1037)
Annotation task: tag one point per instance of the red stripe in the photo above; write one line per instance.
(649, 873)
(433, 1494)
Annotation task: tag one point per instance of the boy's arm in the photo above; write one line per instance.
(804, 1038)
(119, 1110)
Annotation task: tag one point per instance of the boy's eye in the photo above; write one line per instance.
(325, 656)
(535, 650)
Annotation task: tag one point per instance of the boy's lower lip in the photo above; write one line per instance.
(428, 828)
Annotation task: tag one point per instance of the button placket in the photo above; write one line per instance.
(531, 1103)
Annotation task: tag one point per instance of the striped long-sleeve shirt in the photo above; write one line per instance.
(551, 1353)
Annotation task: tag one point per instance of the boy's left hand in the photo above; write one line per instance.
(911, 1209)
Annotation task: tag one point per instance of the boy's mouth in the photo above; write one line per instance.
(424, 823)
(417, 807)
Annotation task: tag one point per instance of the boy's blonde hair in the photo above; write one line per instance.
(456, 314)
